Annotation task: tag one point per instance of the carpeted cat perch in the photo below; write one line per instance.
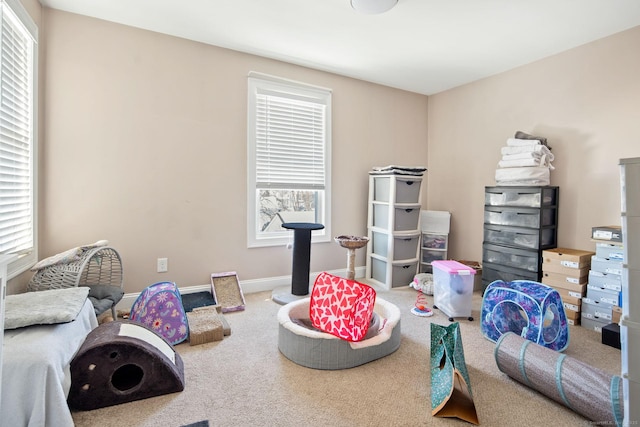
(121, 362)
(584, 389)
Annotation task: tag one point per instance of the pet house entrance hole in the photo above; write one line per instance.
(127, 377)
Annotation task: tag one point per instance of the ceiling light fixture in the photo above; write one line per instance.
(371, 7)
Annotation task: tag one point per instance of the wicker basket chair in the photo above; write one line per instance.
(96, 266)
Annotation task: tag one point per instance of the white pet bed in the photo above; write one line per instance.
(319, 350)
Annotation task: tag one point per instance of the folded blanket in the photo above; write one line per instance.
(522, 135)
(44, 307)
(515, 142)
(397, 170)
(523, 176)
(539, 155)
(67, 256)
(542, 162)
(543, 149)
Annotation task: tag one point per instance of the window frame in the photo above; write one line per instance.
(259, 82)
(25, 259)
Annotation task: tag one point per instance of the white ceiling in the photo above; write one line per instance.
(423, 46)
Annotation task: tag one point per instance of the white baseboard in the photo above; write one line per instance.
(247, 286)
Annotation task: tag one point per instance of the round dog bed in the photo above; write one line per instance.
(319, 350)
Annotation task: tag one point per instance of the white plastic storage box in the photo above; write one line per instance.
(606, 266)
(631, 248)
(594, 324)
(630, 300)
(428, 256)
(596, 310)
(407, 189)
(453, 288)
(630, 186)
(610, 251)
(630, 346)
(405, 246)
(605, 280)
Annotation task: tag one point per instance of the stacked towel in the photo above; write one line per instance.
(526, 160)
(397, 170)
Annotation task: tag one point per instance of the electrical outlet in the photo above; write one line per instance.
(163, 265)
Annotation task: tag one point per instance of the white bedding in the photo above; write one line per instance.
(35, 371)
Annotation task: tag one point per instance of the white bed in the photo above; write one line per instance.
(35, 371)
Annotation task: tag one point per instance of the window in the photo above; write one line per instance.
(289, 141)
(18, 76)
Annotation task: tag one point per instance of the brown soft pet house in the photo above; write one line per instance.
(121, 362)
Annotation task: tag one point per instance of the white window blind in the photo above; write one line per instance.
(289, 143)
(17, 98)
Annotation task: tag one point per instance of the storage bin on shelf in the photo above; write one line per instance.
(434, 246)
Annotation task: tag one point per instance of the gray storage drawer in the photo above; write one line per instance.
(405, 218)
(492, 272)
(511, 257)
(520, 217)
(404, 246)
(407, 189)
(526, 238)
(534, 197)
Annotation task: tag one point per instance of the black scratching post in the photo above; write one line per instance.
(301, 258)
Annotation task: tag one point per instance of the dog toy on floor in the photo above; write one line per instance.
(420, 307)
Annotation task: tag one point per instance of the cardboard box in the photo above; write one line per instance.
(572, 314)
(570, 296)
(616, 313)
(612, 233)
(569, 299)
(563, 278)
(550, 266)
(578, 290)
(572, 258)
(573, 322)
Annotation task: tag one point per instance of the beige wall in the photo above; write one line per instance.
(585, 101)
(144, 143)
(146, 146)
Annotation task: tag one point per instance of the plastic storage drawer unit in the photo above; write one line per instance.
(453, 288)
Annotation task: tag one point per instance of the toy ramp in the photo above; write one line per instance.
(529, 309)
(121, 362)
(584, 389)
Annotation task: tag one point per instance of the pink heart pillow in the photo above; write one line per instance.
(341, 307)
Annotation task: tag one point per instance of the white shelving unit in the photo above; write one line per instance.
(434, 242)
(393, 229)
(630, 320)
